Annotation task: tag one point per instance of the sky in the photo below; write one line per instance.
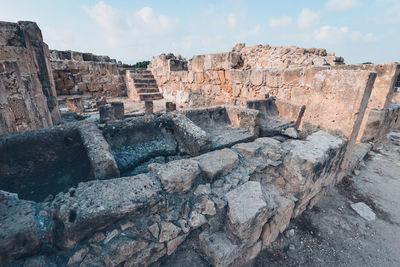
(132, 31)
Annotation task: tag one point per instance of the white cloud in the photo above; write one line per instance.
(232, 20)
(307, 18)
(334, 35)
(281, 22)
(339, 5)
(145, 21)
(141, 27)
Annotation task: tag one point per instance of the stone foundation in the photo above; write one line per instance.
(223, 206)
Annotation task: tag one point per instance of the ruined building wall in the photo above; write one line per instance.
(224, 205)
(381, 96)
(232, 77)
(246, 73)
(27, 93)
(265, 56)
(78, 73)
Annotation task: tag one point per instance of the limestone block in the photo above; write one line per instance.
(96, 204)
(121, 249)
(249, 208)
(217, 163)
(317, 157)
(220, 251)
(147, 256)
(101, 159)
(248, 150)
(176, 176)
(202, 189)
(216, 61)
(21, 221)
(173, 244)
(196, 219)
(78, 256)
(205, 206)
(168, 231)
(235, 60)
(279, 221)
(197, 63)
(194, 140)
(257, 77)
(248, 255)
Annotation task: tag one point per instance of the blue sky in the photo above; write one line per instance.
(132, 31)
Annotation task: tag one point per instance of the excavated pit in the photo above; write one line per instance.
(137, 140)
(225, 125)
(40, 163)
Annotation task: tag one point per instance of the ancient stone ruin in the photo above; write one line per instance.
(259, 135)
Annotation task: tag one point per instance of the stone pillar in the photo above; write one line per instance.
(111, 112)
(148, 107)
(170, 106)
(74, 104)
(118, 110)
(106, 113)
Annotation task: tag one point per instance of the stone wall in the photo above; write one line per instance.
(247, 73)
(268, 57)
(222, 206)
(78, 73)
(232, 77)
(27, 92)
(382, 91)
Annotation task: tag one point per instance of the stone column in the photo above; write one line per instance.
(148, 107)
(118, 110)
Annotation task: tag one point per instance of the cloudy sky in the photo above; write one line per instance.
(131, 31)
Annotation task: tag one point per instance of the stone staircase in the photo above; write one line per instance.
(141, 85)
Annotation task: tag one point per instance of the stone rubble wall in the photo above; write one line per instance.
(78, 73)
(270, 57)
(289, 73)
(225, 206)
(27, 92)
(232, 77)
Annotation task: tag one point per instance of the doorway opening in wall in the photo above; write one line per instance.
(397, 84)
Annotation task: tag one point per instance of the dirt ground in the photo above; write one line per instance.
(333, 234)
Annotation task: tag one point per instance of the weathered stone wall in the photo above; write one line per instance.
(268, 57)
(223, 206)
(78, 73)
(382, 91)
(246, 73)
(27, 92)
(232, 77)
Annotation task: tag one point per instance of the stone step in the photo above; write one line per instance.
(147, 90)
(147, 75)
(140, 71)
(145, 85)
(141, 80)
(150, 96)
